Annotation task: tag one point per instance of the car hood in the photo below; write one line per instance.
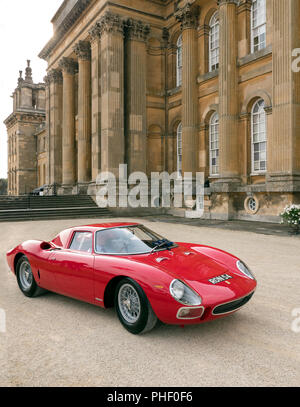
(196, 265)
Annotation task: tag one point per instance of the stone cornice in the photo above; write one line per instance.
(136, 30)
(222, 2)
(83, 50)
(244, 5)
(32, 116)
(188, 16)
(68, 65)
(66, 24)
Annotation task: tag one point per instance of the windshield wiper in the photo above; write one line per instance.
(161, 244)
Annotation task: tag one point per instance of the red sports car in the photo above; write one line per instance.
(145, 276)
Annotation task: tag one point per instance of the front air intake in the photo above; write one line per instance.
(231, 306)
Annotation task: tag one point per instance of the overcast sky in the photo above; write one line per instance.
(24, 30)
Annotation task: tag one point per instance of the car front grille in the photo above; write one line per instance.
(232, 306)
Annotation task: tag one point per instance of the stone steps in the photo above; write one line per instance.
(50, 207)
(55, 213)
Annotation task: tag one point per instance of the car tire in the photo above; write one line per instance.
(25, 278)
(133, 307)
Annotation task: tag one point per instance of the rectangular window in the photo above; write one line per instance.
(214, 145)
(258, 23)
(259, 137)
(214, 43)
(179, 62)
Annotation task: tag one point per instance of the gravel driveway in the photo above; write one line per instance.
(57, 341)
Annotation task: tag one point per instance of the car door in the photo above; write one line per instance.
(74, 267)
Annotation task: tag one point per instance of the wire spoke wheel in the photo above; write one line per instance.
(133, 307)
(26, 280)
(129, 303)
(26, 277)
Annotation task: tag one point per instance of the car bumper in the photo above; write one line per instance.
(172, 314)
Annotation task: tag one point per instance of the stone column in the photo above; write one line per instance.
(135, 84)
(47, 144)
(55, 135)
(83, 52)
(245, 146)
(228, 92)
(203, 52)
(96, 100)
(188, 16)
(112, 93)
(69, 67)
(202, 151)
(244, 28)
(284, 141)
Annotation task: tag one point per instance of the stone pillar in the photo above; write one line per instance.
(203, 162)
(135, 85)
(47, 143)
(188, 16)
(203, 49)
(112, 93)
(83, 52)
(245, 146)
(55, 135)
(69, 67)
(96, 100)
(284, 142)
(228, 92)
(244, 28)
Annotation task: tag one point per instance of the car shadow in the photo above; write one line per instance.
(161, 331)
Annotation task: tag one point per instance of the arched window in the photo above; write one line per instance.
(214, 144)
(179, 62)
(258, 137)
(258, 25)
(214, 29)
(179, 149)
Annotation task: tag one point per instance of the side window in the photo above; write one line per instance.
(82, 242)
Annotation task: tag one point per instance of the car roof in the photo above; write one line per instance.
(101, 226)
(63, 237)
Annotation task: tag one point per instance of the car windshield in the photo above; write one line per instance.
(130, 240)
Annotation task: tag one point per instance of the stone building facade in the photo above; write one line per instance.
(25, 128)
(178, 85)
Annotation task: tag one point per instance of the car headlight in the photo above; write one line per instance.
(244, 269)
(184, 294)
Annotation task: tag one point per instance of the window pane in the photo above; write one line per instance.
(82, 241)
(179, 62)
(214, 144)
(179, 149)
(258, 21)
(213, 43)
(258, 130)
